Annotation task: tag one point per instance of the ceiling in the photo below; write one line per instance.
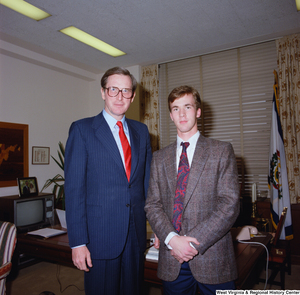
(149, 31)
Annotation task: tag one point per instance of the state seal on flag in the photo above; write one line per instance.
(275, 171)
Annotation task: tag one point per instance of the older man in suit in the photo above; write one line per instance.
(193, 210)
(107, 167)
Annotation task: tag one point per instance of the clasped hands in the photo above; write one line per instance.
(182, 248)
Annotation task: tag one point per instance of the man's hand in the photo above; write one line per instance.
(81, 257)
(182, 250)
(156, 242)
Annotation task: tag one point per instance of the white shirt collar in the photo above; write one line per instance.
(111, 121)
(192, 140)
(191, 149)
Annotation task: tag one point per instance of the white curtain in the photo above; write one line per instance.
(288, 58)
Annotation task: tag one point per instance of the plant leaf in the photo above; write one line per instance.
(62, 148)
(58, 180)
(55, 179)
(59, 164)
(61, 160)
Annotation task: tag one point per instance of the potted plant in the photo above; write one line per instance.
(58, 180)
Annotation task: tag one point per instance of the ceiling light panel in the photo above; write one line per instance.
(92, 41)
(25, 8)
(298, 5)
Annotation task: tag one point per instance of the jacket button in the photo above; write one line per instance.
(129, 186)
(127, 205)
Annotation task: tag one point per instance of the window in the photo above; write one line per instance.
(236, 88)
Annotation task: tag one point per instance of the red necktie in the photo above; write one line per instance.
(126, 149)
(182, 179)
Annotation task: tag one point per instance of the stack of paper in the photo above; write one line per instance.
(62, 217)
(47, 232)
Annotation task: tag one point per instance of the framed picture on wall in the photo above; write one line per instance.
(13, 153)
(40, 155)
(27, 186)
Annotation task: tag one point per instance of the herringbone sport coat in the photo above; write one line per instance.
(211, 206)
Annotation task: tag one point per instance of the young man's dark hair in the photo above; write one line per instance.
(183, 90)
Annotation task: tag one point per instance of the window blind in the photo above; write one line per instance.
(236, 88)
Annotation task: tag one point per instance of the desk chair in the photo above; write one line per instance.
(279, 256)
(8, 240)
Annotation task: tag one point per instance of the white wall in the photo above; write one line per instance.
(48, 96)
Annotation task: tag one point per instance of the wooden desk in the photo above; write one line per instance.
(57, 249)
(249, 258)
(54, 249)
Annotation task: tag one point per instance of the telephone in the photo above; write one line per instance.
(246, 232)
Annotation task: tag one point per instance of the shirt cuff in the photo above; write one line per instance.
(169, 237)
(78, 246)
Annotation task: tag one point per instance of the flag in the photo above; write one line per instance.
(277, 179)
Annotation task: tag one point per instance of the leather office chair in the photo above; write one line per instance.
(279, 256)
(8, 238)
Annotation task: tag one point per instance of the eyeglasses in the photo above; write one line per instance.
(114, 91)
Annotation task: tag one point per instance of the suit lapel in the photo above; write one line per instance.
(201, 155)
(104, 135)
(169, 163)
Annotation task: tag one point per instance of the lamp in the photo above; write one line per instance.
(298, 4)
(25, 8)
(91, 41)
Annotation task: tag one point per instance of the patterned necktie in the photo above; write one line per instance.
(182, 179)
(126, 149)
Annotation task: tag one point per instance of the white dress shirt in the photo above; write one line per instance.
(112, 123)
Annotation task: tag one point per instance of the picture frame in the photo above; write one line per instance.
(13, 153)
(40, 155)
(27, 186)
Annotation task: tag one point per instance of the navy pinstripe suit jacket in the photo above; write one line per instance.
(99, 198)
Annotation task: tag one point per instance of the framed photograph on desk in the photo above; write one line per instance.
(27, 186)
